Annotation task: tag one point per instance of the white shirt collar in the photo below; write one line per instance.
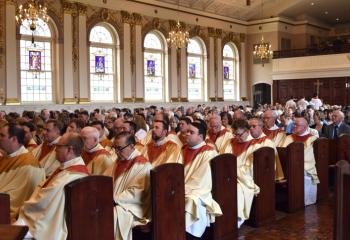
(274, 127)
(72, 162)
(97, 147)
(261, 135)
(161, 142)
(199, 145)
(305, 133)
(19, 151)
(54, 141)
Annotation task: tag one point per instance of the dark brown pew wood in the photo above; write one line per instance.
(5, 209)
(89, 208)
(339, 149)
(321, 152)
(224, 190)
(290, 195)
(168, 202)
(263, 208)
(12, 232)
(342, 203)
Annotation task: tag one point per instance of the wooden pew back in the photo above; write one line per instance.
(342, 207)
(5, 209)
(292, 161)
(89, 208)
(339, 149)
(168, 202)
(224, 190)
(263, 208)
(321, 152)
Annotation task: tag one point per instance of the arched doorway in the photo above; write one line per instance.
(262, 94)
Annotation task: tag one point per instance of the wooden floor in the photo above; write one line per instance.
(314, 223)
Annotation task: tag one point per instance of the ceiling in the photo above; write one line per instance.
(326, 11)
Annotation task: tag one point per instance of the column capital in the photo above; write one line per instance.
(218, 32)
(211, 32)
(12, 2)
(137, 19)
(82, 9)
(126, 17)
(68, 7)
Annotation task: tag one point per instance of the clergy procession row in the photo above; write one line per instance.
(41, 153)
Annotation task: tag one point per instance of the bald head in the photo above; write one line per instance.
(118, 125)
(90, 136)
(300, 126)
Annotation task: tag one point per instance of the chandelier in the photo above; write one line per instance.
(262, 51)
(30, 12)
(177, 37)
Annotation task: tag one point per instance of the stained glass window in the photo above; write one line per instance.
(154, 67)
(102, 60)
(36, 64)
(195, 70)
(230, 71)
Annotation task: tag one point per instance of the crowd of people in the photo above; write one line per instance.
(42, 152)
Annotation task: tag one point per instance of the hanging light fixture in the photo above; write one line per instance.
(29, 13)
(262, 50)
(178, 37)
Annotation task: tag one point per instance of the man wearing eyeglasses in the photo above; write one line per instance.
(44, 212)
(96, 158)
(200, 208)
(301, 134)
(130, 174)
(242, 146)
(218, 135)
(20, 172)
(262, 140)
(162, 149)
(271, 130)
(45, 152)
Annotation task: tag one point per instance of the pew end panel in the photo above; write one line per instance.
(5, 217)
(168, 202)
(321, 152)
(89, 208)
(263, 208)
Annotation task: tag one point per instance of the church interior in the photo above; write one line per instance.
(264, 80)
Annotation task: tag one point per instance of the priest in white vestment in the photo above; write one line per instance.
(301, 134)
(20, 172)
(200, 208)
(131, 187)
(271, 130)
(218, 135)
(44, 212)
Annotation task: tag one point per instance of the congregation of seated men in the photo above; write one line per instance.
(42, 152)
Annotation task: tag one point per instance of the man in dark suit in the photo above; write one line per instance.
(338, 127)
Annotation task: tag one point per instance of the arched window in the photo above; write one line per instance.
(195, 69)
(103, 41)
(230, 71)
(36, 72)
(154, 67)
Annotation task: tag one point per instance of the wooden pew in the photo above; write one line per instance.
(339, 149)
(290, 195)
(263, 208)
(89, 208)
(342, 202)
(224, 190)
(321, 152)
(12, 232)
(168, 202)
(5, 209)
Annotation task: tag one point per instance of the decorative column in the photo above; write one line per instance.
(69, 96)
(138, 87)
(242, 83)
(211, 65)
(84, 84)
(2, 51)
(127, 86)
(219, 69)
(174, 69)
(183, 75)
(12, 79)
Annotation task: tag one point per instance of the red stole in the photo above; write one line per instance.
(213, 136)
(271, 134)
(238, 148)
(125, 165)
(46, 149)
(32, 145)
(74, 168)
(154, 151)
(87, 156)
(302, 139)
(190, 154)
(259, 140)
